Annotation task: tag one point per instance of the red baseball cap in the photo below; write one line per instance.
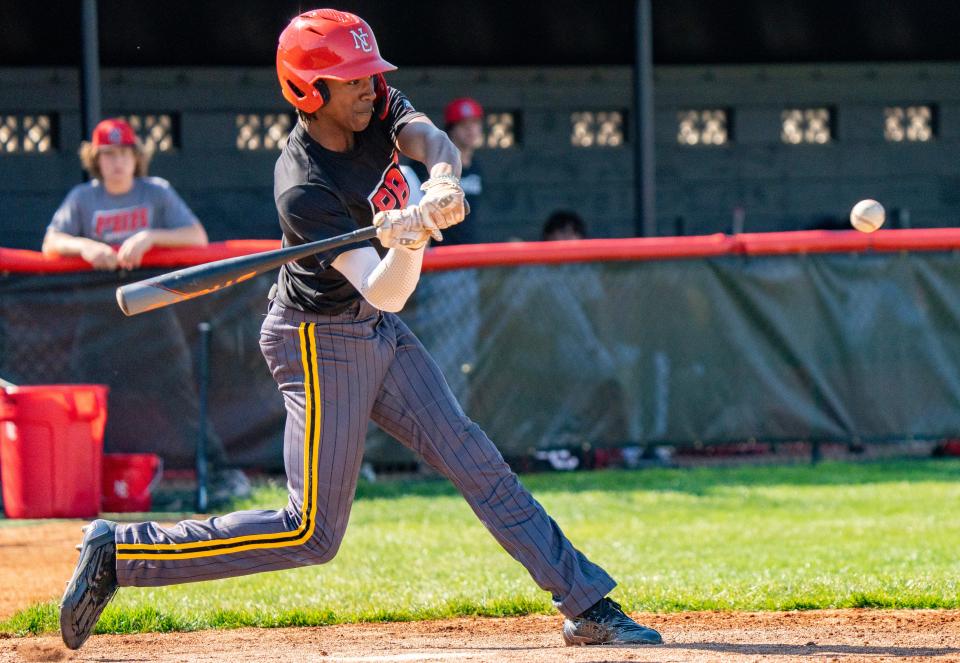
(113, 132)
(462, 109)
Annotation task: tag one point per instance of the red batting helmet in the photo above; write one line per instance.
(462, 109)
(325, 43)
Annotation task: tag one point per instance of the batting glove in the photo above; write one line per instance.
(405, 228)
(443, 200)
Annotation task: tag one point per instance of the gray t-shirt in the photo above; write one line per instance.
(89, 211)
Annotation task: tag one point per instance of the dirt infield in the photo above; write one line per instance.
(35, 562)
(831, 635)
(845, 635)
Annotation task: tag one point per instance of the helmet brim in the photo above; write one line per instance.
(347, 71)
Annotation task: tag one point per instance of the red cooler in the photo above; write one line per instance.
(129, 480)
(51, 444)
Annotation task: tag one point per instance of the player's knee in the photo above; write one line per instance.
(323, 546)
(327, 553)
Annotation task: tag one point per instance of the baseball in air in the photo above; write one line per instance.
(867, 216)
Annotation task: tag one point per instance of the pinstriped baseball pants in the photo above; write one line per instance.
(336, 373)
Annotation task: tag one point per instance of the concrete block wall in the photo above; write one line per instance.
(781, 186)
(776, 186)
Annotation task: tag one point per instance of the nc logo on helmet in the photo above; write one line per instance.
(360, 40)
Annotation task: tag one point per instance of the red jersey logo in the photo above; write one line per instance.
(123, 222)
(392, 192)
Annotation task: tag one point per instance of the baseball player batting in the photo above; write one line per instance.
(341, 356)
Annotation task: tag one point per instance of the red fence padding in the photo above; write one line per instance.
(23, 261)
(214, 251)
(926, 239)
(802, 241)
(538, 253)
(583, 250)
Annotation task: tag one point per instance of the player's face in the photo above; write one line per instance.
(117, 164)
(351, 103)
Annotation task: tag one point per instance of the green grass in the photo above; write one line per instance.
(882, 534)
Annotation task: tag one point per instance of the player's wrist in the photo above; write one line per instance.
(413, 248)
(444, 178)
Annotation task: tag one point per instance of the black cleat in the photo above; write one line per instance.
(605, 623)
(93, 584)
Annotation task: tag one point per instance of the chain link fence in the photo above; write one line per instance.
(551, 361)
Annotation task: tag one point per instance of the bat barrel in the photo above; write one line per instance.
(198, 280)
(142, 296)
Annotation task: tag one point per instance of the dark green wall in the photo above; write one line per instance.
(777, 186)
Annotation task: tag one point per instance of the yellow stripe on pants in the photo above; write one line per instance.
(311, 456)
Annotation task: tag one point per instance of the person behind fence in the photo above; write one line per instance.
(563, 224)
(341, 356)
(111, 221)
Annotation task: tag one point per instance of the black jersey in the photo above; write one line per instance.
(321, 194)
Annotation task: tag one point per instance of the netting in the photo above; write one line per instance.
(550, 360)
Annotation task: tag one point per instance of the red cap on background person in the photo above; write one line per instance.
(113, 132)
(462, 109)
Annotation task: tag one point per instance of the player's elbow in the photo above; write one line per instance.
(387, 304)
(49, 246)
(393, 308)
(200, 238)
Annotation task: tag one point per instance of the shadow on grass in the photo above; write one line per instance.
(698, 481)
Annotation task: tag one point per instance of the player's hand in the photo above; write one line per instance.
(404, 228)
(131, 251)
(443, 200)
(99, 255)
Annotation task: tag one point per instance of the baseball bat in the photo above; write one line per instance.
(199, 280)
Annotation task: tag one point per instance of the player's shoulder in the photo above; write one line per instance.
(397, 101)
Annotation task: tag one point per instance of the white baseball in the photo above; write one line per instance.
(867, 216)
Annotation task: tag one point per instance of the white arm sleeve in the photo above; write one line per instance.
(387, 283)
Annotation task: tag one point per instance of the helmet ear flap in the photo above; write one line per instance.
(382, 103)
(324, 90)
